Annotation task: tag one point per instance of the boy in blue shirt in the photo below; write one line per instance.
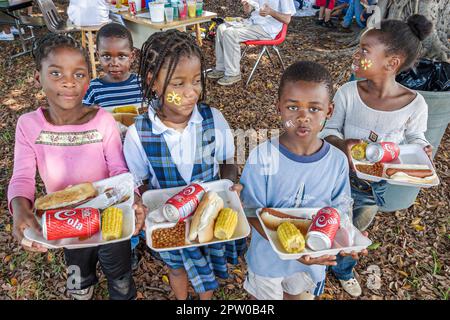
(118, 87)
(296, 169)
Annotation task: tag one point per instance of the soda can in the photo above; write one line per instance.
(323, 229)
(132, 7)
(183, 204)
(70, 223)
(382, 152)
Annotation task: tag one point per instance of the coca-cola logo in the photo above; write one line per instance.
(66, 215)
(323, 221)
(189, 190)
(390, 148)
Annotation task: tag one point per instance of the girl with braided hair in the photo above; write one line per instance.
(377, 109)
(180, 140)
(69, 144)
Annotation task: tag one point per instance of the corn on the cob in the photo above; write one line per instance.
(125, 109)
(112, 220)
(225, 224)
(290, 237)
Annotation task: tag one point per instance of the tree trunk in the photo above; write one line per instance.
(437, 45)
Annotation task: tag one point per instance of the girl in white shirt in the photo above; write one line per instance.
(378, 109)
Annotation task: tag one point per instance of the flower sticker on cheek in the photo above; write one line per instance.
(366, 64)
(289, 124)
(174, 98)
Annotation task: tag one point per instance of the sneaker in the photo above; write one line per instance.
(6, 36)
(329, 24)
(363, 216)
(215, 74)
(352, 287)
(319, 22)
(229, 80)
(82, 294)
(343, 25)
(134, 260)
(15, 32)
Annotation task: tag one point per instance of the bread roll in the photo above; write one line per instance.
(70, 196)
(202, 224)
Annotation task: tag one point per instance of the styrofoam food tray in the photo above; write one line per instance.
(110, 109)
(409, 154)
(155, 199)
(359, 241)
(96, 240)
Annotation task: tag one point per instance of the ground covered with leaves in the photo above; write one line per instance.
(410, 246)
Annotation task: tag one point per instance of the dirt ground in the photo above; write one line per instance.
(411, 246)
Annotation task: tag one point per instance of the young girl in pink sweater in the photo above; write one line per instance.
(69, 144)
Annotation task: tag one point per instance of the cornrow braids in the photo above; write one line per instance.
(42, 47)
(165, 49)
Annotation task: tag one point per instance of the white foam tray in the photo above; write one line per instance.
(359, 241)
(155, 199)
(409, 154)
(96, 240)
(110, 109)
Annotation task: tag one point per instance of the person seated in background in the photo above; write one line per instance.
(340, 8)
(265, 22)
(358, 9)
(88, 12)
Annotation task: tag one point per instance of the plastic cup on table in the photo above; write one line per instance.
(199, 9)
(175, 10)
(181, 11)
(192, 7)
(169, 14)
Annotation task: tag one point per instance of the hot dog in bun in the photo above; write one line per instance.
(273, 218)
(72, 197)
(410, 173)
(202, 224)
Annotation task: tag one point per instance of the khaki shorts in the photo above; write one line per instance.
(264, 288)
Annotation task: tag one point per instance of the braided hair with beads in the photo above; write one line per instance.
(164, 50)
(42, 47)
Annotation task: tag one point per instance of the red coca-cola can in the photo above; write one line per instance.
(183, 204)
(382, 151)
(132, 6)
(70, 223)
(323, 229)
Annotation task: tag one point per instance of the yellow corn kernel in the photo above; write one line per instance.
(290, 237)
(125, 109)
(112, 220)
(225, 224)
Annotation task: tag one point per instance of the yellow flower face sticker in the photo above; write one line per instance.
(366, 64)
(174, 98)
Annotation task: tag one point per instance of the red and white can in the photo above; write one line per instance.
(132, 7)
(183, 204)
(323, 229)
(382, 151)
(70, 223)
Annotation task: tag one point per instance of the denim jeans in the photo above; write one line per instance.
(364, 193)
(115, 261)
(354, 9)
(135, 239)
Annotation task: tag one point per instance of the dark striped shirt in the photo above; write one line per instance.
(109, 94)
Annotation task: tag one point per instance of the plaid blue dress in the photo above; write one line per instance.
(202, 264)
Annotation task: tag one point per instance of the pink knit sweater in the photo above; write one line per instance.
(64, 155)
